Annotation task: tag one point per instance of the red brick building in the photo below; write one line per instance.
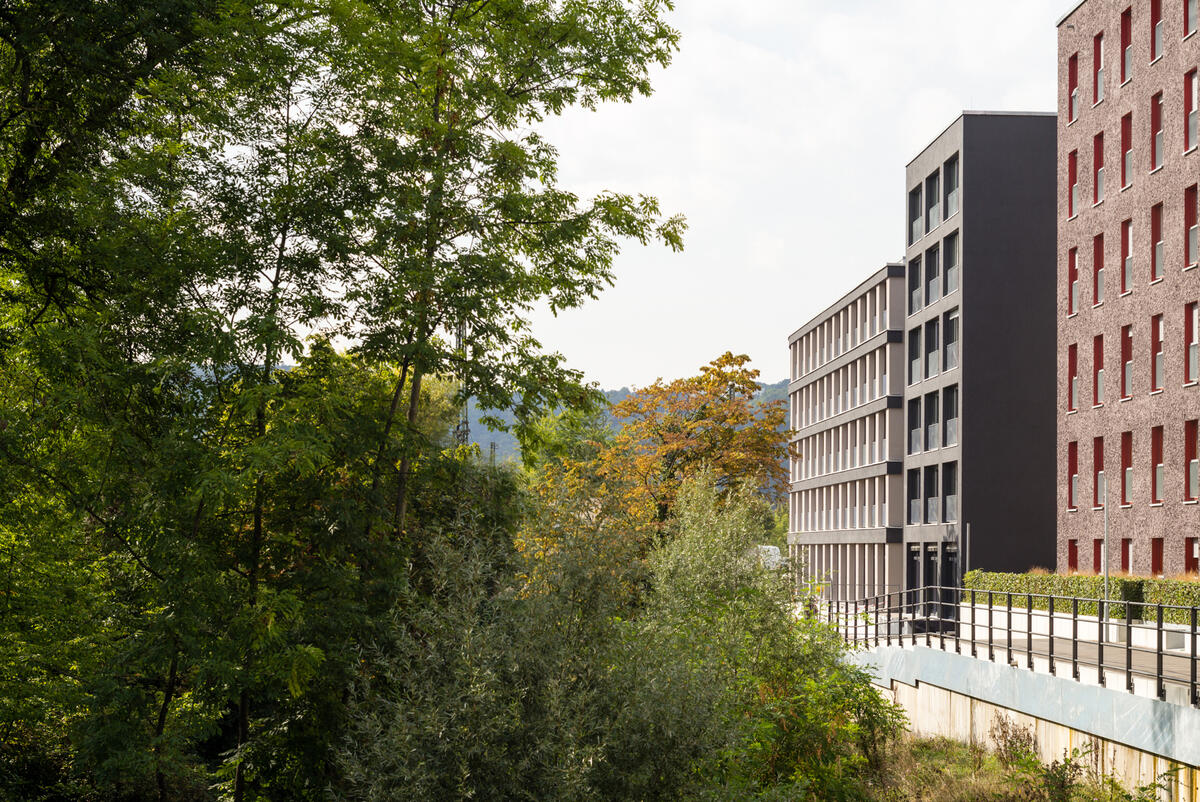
(1128, 286)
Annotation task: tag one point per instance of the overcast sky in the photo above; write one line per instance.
(781, 132)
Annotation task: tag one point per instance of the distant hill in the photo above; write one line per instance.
(507, 447)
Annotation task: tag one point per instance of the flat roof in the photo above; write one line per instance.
(980, 113)
(1066, 16)
(891, 269)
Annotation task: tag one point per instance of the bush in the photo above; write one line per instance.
(1179, 592)
(1082, 586)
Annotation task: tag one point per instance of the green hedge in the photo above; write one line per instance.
(1179, 592)
(1082, 586)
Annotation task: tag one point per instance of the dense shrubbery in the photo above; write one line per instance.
(1086, 587)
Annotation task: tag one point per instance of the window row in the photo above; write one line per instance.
(1189, 246)
(852, 445)
(940, 200)
(860, 382)
(1191, 556)
(933, 494)
(1156, 465)
(933, 420)
(927, 355)
(1156, 360)
(927, 281)
(1156, 31)
(852, 505)
(856, 323)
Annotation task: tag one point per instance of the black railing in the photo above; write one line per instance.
(1153, 642)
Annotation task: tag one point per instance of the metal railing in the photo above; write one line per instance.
(1116, 639)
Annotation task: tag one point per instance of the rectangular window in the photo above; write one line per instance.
(1073, 88)
(950, 415)
(1156, 352)
(932, 506)
(1191, 464)
(914, 355)
(914, 215)
(915, 295)
(1098, 68)
(1126, 45)
(951, 349)
(1191, 232)
(1072, 555)
(1191, 555)
(1072, 376)
(1156, 458)
(1097, 555)
(1191, 109)
(933, 275)
(1127, 150)
(914, 426)
(1156, 131)
(950, 492)
(1126, 467)
(932, 345)
(950, 256)
(1073, 183)
(1098, 168)
(1156, 242)
(933, 200)
(914, 496)
(1098, 269)
(1156, 29)
(1126, 256)
(1072, 474)
(1191, 343)
(1191, 10)
(1126, 361)
(1156, 556)
(932, 425)
(1126, 554)
(1098, 370)
(1073, 281)
(950, 186)
(1098, 488)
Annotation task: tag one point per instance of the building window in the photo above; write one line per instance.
(1191, 447)
(1156, 131)
(1073, 87)
(933, 513)
(1191, 342)
(1098, 370)
(1072, 376)
(932, 425)
(1098, 269)
(932, 344)
(1156, 458)
(914, 496)
(1126, 44)
(1072, 474)
(933, 275)
(1191, 109)
(1126, 150)
(1156, 29)
(950, 492)
(1072, 555)
(951, 349)
(1073, 281)
(1156, 352)
(1191, 232)
(1097, 555)
(914, 426)
(1126, 256)
(1156, 242)
(914, 215)
(1191, 10)
(1126, 554)
(1126, 361)
(950, 186)
(1098, 168)
(1191, 555)
(1098, 68)
(914, 286)
(933, 199)
(950, 256)
(1099, 492)
(1126, 467)
(950, 415)
(1073, 183)
(914, 355)
(1156, 556)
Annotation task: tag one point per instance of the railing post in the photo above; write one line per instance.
(1100, 643)
(927, 611)
(1192, 681)
(991, 647)
(1008, 631)
(1129, 646)
(973, 650)
(1050, 603)
(887, 632)
(941, 608)
(1075, 638)
(1029, 631)
(1161, 686)
(957, 620)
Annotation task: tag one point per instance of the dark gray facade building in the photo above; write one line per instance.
(979, 417)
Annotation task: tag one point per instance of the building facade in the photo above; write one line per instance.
(1128, 286)
(847, 367)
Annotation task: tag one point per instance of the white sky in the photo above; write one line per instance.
(781, 132)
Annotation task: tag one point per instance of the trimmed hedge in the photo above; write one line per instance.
(1180, 592)
(1081, 586)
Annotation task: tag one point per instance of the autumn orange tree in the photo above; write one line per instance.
(669, 432)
